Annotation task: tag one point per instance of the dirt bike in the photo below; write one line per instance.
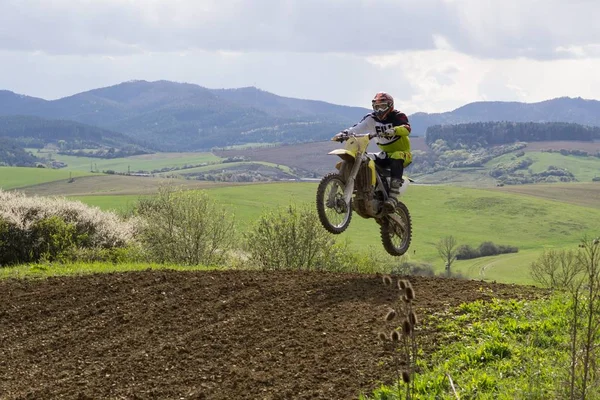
(361, 186)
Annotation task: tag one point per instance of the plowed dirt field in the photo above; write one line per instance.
(210, 335)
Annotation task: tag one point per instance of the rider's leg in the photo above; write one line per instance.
(396, 171)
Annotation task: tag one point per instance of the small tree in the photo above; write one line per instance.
(589, 257)
(584, 322)
(447, 248)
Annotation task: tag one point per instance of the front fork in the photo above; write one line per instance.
(349, 189)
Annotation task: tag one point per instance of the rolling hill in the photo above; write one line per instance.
(185, 117)
(31, 131)
(171, 116)
(563, 109)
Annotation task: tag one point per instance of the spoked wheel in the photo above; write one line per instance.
(396, 231)
(333, 211)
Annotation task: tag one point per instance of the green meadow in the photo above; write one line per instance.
(14, 177)
(145, 162)
(472, 216)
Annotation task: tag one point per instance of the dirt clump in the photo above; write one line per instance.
(209, 335)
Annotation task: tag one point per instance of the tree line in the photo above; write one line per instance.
(485, 134)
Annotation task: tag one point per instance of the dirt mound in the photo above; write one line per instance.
(208, 335)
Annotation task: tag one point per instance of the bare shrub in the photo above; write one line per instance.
(447, 250)
(556, 268)
(584, 291)
(185, 227)
(407, 267)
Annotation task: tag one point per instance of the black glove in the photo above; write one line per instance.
(340, 137)
(389, 133)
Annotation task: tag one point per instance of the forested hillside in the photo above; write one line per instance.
(12, 154)
(68, 136)
(485, 134)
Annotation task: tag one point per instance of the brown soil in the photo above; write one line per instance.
(112, 185)
(582, 194)
(210, 335)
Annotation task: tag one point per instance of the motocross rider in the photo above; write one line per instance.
(393, 129)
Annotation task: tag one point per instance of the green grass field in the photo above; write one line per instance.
(145, 162)
(472, 216)
(15, 177)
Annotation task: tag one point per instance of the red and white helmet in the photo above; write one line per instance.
(382, 104)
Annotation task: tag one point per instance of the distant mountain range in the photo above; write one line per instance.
(563, 109)
(171, 116)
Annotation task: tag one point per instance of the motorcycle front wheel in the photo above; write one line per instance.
(334, 213)
(395, 236)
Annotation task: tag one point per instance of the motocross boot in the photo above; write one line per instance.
(389, 206)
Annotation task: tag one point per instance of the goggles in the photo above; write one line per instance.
(381, 107)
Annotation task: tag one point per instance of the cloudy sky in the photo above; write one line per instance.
(431, 55)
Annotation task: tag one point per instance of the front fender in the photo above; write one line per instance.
(344, 154)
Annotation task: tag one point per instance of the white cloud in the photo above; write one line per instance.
(485, 28)
(444, 80)
(432, 55)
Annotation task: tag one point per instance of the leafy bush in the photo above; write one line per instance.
(289, 238)
(485, 249)
(54, 239)
(466, 252)
(185, 227)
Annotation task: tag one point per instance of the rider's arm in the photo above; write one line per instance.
(402, 127)
(366, 125)
(402, 130)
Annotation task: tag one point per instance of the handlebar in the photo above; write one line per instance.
(341, 138)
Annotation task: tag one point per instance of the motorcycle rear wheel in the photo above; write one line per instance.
(334, 213)
(394, 237)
